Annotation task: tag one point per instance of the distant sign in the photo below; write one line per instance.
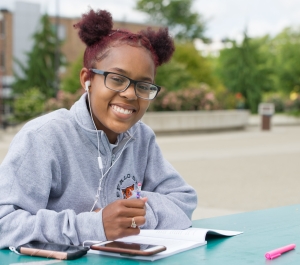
(267, 109)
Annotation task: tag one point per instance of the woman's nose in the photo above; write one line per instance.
(129, 93)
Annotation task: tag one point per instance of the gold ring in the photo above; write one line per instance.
(133, 224)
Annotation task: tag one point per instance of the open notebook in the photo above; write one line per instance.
(175, 240)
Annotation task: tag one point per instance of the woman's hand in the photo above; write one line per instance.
(118, 217)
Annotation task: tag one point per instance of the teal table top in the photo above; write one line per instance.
(264, 230)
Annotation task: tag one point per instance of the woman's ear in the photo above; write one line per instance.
(84, 79)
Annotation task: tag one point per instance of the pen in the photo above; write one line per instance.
(139, 189)
(277, 252)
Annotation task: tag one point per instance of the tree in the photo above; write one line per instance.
(186, 69)
(40, 71)
(242, 68)
(196, 65)
(177, 15)
(173, 76)
(71, 83)
(287, 47)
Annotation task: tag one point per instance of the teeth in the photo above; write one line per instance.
(121, 110)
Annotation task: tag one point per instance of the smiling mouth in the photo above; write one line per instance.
(121, 110)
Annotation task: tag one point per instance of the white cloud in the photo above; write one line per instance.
(260, 27)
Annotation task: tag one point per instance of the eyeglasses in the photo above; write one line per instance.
(120, 83)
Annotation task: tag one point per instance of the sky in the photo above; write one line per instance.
(225, 18)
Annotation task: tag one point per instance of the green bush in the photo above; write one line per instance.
(29, 104)
(278, 100)
(293, 106)
(229, 100)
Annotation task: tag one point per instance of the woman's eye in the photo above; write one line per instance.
(118, 80)
(143, 86)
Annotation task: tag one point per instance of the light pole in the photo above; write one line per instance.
(57, 52)
(1, 66)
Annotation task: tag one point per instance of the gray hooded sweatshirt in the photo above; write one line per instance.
(49, 179)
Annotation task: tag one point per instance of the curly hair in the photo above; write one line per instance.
(96, 31)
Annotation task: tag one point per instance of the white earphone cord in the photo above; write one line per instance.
(93, 121)
(99, 157)
(103, 175)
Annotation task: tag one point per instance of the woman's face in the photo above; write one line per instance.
(116, 112)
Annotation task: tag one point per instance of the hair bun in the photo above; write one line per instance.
(94, 26)
(161, 42)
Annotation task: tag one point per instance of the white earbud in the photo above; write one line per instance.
(87, 85)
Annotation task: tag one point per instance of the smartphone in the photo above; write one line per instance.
(129, 248)
(52, 250)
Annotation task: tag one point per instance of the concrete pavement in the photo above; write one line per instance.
(232, 171)
(238, 171)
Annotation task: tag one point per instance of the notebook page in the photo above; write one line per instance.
(173, 246)
(196, 236)
(190, 234)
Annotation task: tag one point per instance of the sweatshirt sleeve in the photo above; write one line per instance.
(27, 175)
(171, 201)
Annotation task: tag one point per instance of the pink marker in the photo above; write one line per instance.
(139, 189)
(277, 252)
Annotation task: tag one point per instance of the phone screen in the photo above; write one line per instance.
(54, 247)
(128, 245)
(126, 248)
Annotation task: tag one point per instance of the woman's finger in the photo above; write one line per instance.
(136, 221)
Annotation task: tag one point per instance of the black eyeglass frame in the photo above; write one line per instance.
(131, 81)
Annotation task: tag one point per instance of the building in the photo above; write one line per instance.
(16, 31)
(6, 60)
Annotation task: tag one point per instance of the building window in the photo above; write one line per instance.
(61, 31)
(2, 27)
(2, 60)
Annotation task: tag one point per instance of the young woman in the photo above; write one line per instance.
(70, 175)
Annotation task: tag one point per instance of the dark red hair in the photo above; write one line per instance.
(96, 31)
